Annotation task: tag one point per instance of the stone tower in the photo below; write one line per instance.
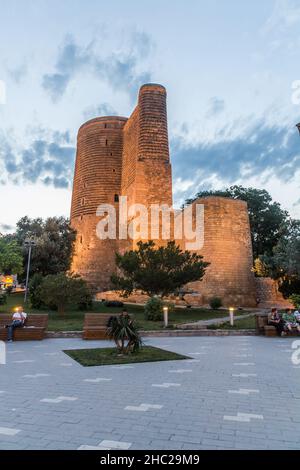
(118, 156)
(130, 157)
(97, 180)
(228, 247)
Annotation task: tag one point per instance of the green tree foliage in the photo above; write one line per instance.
(54, 242)
(267, 219)
(11, 260)
(284, 264)
(157, 270)
(295, 299)
(35, 292)
(154, 309)
(215, 303)
(62, 291)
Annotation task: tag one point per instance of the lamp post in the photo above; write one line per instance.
(166, 316)
(29, 243)
(231, 313)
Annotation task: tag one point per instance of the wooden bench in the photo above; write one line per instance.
(262, 327)
(95, 325)
(35, 327)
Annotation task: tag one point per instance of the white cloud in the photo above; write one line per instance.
(286, 13)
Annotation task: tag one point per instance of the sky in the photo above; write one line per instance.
(231, 70)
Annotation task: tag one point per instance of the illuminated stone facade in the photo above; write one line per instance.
(130, 157)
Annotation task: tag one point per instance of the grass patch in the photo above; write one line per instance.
(242, 324)
(73, 319)
(108, 356)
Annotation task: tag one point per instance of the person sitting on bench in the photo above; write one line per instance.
(290, 320)
(18, 321)
(274, 319)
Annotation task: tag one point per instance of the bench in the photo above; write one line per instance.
(95, 325)
(35, 327)
(262, 327)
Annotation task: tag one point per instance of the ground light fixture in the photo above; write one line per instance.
(166, 316)
(231, 314)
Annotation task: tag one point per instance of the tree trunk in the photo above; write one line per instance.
(61, 310)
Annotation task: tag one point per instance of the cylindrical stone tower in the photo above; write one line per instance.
(97, 181)
(228, 247)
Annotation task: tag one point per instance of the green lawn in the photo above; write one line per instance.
(106, 356)
(243, 324)
(73, 319)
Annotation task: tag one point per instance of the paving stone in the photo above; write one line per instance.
(51, 402)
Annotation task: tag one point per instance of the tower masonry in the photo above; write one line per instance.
(130, 157)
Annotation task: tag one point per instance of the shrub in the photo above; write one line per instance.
(123, 331)
(3, 298)
(215, 303)
(9, 290)
(154, 309)
(113, 303)
(35, 291)
(295, 300)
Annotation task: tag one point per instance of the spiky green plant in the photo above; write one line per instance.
(123, 331)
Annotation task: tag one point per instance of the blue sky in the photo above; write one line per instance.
(228, 67)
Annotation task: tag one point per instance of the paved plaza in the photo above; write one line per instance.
(235, 393)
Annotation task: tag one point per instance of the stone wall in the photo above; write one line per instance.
(269, 295)
(227, 246)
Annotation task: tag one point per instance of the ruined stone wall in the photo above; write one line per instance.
(227, 246)
(268, 294)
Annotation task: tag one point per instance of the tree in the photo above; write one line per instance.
(124, 332)
(285, 263)
(268, 221)
(61, 291)
(54, 242)
(157, 270)
(11, 260)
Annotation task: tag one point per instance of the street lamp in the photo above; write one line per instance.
(166, 316)
(231, 313)
(29, 243)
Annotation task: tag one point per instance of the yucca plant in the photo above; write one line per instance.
(123, 331)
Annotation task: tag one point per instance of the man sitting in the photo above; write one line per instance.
(274, 319)
(18, 321)
(290, 320)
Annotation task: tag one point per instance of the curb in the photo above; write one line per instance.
(163, 333)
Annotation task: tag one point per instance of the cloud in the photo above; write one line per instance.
(285, 14)
(6, 228)
(121, 69)
(216, 106)
(17, 74)
(48, 159)
(103, 109)
(258, 150)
